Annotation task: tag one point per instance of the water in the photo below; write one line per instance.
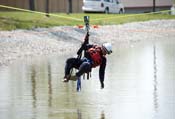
(139, 84)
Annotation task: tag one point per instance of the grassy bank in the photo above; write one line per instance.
(24, 20)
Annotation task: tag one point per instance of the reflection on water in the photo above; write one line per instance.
(102, 115)
(50, 85)
(33, 82)
(139, 84)
(33, 85)
(79, 114)
(155, 94)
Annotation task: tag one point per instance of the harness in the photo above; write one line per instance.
(95, 54)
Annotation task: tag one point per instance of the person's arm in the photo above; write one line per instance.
(102, 71)
(83, 46)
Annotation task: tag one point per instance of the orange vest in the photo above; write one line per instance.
(94, 53)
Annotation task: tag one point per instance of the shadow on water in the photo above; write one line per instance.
(139, 84)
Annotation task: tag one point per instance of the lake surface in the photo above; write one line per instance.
(139, 84)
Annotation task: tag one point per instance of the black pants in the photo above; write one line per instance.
(83, 66)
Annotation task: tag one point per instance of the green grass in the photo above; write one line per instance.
(24, 20)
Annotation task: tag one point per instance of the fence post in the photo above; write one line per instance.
(47, 8)
(154, 5)
(31, 5)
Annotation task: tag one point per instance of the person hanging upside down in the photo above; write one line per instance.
(94, 56)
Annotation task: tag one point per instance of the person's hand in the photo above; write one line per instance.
(87, 34)
(79, 51)
(102, 85)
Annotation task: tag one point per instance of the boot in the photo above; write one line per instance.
(66, 78)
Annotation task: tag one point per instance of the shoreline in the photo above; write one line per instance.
(19, 44)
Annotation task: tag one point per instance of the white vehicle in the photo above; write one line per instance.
(106, 6)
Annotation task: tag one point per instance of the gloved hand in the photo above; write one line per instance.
(83, 46)
(102, 85)
(79, 51)
(87, 35)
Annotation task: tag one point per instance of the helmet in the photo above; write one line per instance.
(107, 47)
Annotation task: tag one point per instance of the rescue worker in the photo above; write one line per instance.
(94, 56)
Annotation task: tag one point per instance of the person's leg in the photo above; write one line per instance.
(78, 84)
(71, 63)
(85, 67)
